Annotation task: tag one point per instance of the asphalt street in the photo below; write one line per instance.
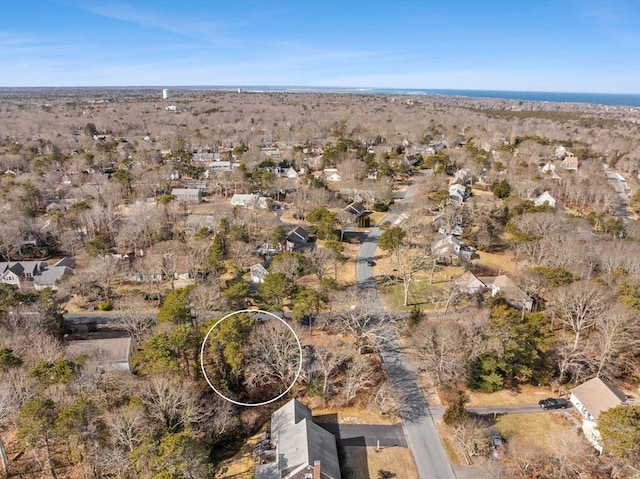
(620, 185)
(422, 437)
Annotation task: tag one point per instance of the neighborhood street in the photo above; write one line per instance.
(423, 439)
(620, 185)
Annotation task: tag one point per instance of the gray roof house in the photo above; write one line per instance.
(450, 249)
(356, 209)
(469, 283)
(303, 450)
(511, 292)
(35, 273)
(297, 238)
(187, 195)
(105, 354)
(457, 193)
(591, 399)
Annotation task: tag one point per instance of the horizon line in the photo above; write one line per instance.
(311, 87)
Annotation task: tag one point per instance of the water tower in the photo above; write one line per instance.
(165, 93)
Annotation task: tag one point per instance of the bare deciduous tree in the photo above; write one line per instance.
(578, 306)
(389, 400)
(135, 317)
(127, 426)
(273, 357)
(359, 375)
(327, 364)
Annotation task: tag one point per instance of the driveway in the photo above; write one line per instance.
(367, 434)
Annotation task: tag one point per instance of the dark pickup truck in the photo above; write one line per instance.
(553, 403)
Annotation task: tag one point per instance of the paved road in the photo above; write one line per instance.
(513, 409)
(99, 317)
(620, 185)
(368, 434)
(422, 437)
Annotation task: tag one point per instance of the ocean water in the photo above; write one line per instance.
(617, 99)
(561, 97)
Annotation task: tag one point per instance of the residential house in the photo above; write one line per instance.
(250, 200)
(469, 283)
(447, 224)
(356, 208)
(206, 157)
(331, 174)
(591, 399)
(103, 354)
(548, 167)
(218, 166)
(23, 274)
(462, 176)
(272, 152)
(303, 450)
(258, 273)
(268, 248)
(155, 268)
(297, 238)
(291, 173)
(50, 277)
(457, 193)
(545, 198)
(511, 292)
(450, 250)
(570, 163)
(561, 152)
(187, 195)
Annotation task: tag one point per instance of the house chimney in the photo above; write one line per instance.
(316, 470)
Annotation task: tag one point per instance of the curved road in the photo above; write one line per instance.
(423, 439)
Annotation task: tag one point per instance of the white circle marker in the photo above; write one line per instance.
(238, 403)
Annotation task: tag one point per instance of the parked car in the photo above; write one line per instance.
(498, 446)
(371, 262)
(554, 403)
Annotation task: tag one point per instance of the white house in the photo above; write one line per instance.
(258, 273)
(250, 200)
(457, 193)
(591, 399)
(291, 173)
(545, 198)
(450, 250)
(548, 167)
(331, 174)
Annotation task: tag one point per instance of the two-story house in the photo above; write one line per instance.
(592, 399)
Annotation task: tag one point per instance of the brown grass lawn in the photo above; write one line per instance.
(527, 395)
(377, 217)
(533, 431)
(365, 462)
(495, 262)
(241, 465)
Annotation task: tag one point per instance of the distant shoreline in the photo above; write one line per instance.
(607, 99)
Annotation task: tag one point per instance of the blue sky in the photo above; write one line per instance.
(526, 45)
